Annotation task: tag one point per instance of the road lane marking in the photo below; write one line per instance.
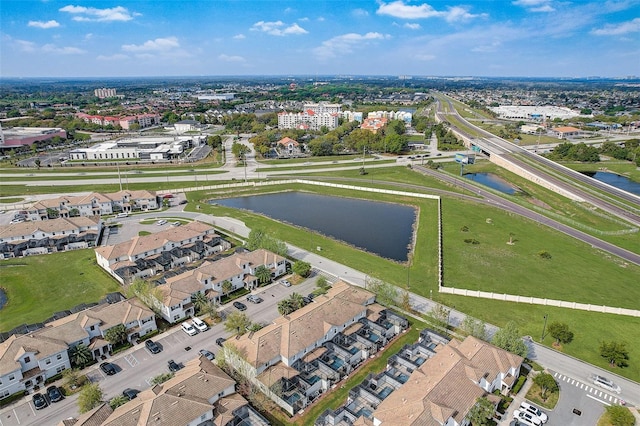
(599, 400)
(132, 360)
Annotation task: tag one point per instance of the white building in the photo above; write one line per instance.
(104, 93)
(147, 148)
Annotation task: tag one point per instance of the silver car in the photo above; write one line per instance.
(605, 383)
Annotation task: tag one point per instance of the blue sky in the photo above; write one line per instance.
(524, 38)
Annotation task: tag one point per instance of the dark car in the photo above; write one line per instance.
(240, 306)
(306, 300)
(205, 353)
(220, 341)
(39, 401)
(54, 394)
(108, 368)
(173, 366)
(311, 296)
(130, 393)
(152, 346)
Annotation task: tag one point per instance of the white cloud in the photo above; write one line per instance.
(239, 37)
(425, 57)
(115, 57)
(66, 50)
(278, 28)
(305, 19)
(490, 47)
(25, 46)
(91, 14)
(320, 18)
(535, 5)
(359, 13)
(44, 25)
(157, 45)
(227, 58)
(398, 9)
(346, 43)
(412, 26)
(88, 36)
(620, 28)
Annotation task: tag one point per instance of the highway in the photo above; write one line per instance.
(590, 190)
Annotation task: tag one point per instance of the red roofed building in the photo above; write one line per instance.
(374, 124)
(288, 147)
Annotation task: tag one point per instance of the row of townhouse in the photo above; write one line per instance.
(147, 255)
(27, 361)
(300, 356)
(199, 394)
(94, 204)
(445, 387)
(238, 270)
(143, 120)
(41, 237)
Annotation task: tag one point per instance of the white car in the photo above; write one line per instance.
(525, 406)
(188, 328)
(605, 383)
(199, 324)
(285, 283)
(526, 418)
(161, 222)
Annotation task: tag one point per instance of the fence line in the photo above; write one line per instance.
(540, 301)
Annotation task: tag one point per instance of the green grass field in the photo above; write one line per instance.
(38, 286)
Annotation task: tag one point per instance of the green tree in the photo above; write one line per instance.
(620, 416)
(386, 294)
(474, 327)
(560, 331)
(285, 307)
(52, 213)
(440, 315)
(71, 377)
(297, 301)
(405, 301)
(146, 292)
(616, 353)
(481, 413)
(237, 322)
(258, 239)
(117, 401)
(226, 287)
(80, 355)
(547, 384)
(509, 339)
(263, 274)
(116, 334)
(301, 268)
(90, 397)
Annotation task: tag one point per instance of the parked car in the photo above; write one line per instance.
(254, 299)
(39, 401)
(285, 283)
(605, 383)
(108, 368)
(220, 341)
(188, 328)
(306, 300)
(152, 346)
(311, 296)
(199, 324)
(525, 406)
(161, 222)
(526, 418)
(208, 355)
(130, 393)
(240, 306)
(176, 223)
(54, 394)
(173, 366)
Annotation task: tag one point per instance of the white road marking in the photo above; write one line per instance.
(599, 400)
(132, 360)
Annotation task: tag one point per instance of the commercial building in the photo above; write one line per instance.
(143, 120)
(144, 148)
(15, 137)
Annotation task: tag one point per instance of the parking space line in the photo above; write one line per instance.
(16, 414)
(132, 360)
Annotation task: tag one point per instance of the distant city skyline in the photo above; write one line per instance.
(518, 38)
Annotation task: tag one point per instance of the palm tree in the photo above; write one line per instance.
(263, 274)
(285, 307)
(80, 355)
(200, 301)
(297, 301)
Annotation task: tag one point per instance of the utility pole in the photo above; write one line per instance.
(544, 327)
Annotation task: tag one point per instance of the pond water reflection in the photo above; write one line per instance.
(384, 229)
(492, 181)
(620, 182)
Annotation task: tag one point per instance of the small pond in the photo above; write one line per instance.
(3, 298)
(492, 181)
(384, 229)
(620, 182)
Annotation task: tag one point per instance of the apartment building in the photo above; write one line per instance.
(147, 255)
(302, 355)
(104, 93)
(313, 117)
(239, 270)
(41, 237)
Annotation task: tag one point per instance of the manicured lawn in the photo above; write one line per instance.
(38, 286)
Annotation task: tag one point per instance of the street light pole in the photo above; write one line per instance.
(544, 327)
